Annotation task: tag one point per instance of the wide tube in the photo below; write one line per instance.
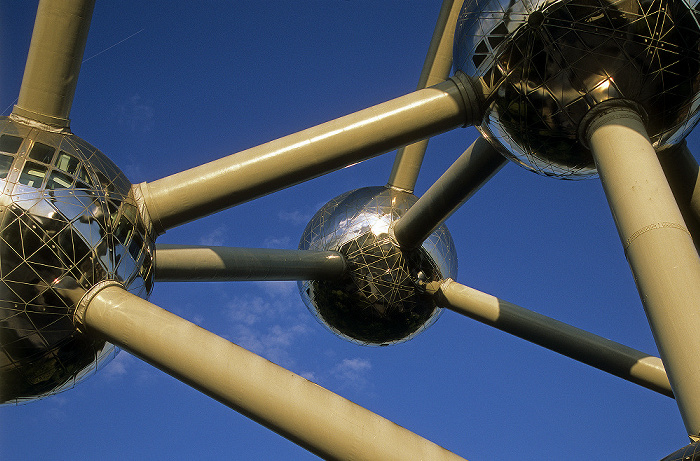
(657, 244)
(305, 413)
(258, 171)
(436, 68)
(593, 350)
(462, 179)
(53, 62)
(683, 175)
(188, 263)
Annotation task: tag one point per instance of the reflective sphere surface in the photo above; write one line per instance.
(687, 453)
(546, 63)
(65, 214)
(380, 300)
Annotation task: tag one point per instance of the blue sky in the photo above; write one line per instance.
(194, 81)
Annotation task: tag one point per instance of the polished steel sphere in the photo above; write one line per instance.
(689, 452)
(65, 215)
(545, 63)
(380, 301)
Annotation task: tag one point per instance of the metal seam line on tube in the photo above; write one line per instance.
(53, 63)
(658, 246)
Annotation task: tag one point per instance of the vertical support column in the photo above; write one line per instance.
(436, 68)
(658, 247)
(53, 62)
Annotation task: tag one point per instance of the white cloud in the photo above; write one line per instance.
(118, 367)
(133, 170)
(249, 311)
(310, 375)
(295, 217)
(136, 115)
(274, 342)
(270, 323)
(216, 237)
(352, 373)
(288, 290)
(281, 242)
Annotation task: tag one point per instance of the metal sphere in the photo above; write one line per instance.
(689, 452)
(380, 300)
(544, 64)
(65, 215)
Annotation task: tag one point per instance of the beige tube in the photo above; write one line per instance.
(593, 350)
(462, 179)
(305, 413)
(436, 68)
(683, 175)
(658, 247)
(53, 62)
(258, 171)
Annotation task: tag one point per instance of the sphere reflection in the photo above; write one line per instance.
(544, 64)
(380, 300)
(687, 453)
(65, 214)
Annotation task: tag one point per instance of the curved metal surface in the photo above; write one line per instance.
(379, 301)
(66, 219)
(545, 64)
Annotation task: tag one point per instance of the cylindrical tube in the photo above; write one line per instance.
(53, 62)
(658, 247)
(307, 414)
(258, 171)
(461, 180)
(593, 350)
(683, 175)
(436, 68)
(187, 263)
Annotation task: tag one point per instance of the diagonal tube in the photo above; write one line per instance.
(305, 413)
(188, 263)
(657, 243)
(53, 62)
(237, 178)
(436, 68)
(593, 350)
(462, 179)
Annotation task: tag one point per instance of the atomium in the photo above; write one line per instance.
(544, 64)
(65, 215)
(380, 301)
(69, 219)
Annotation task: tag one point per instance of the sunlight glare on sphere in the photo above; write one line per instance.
(544, 64)
(380, 300)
